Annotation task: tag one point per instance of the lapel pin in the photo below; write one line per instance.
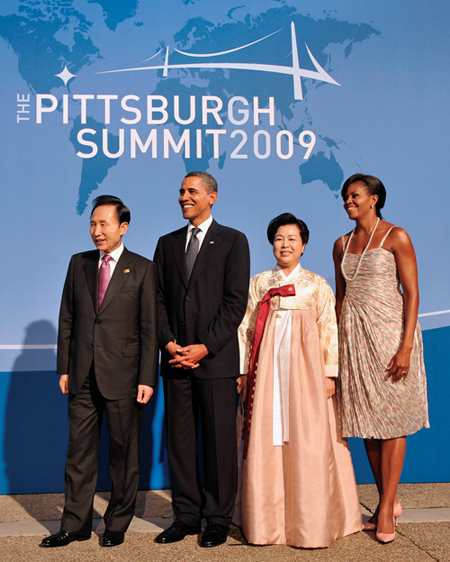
(212, 242)
(126, 271)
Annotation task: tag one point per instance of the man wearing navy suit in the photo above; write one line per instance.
(203, 276)
(108, 362)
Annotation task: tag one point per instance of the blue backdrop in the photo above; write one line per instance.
(279, 100)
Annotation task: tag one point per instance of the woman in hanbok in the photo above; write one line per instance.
(298, 484)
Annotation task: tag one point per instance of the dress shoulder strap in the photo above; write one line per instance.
(385, 236)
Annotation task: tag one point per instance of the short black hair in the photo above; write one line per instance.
(284, 219)
(374, 187)
(209, 183)
(123, 212)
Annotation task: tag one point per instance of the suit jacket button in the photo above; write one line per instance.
(97, 321)
(183, 323)
(188, 298)
(92, 345)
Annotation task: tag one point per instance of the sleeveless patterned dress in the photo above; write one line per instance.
(370, 333)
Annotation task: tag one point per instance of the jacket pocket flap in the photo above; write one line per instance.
(131, 349)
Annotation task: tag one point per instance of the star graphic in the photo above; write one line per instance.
(65, 75)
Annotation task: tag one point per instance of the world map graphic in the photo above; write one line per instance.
(48, 36)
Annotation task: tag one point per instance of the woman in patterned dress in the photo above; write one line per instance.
(382, 385)
(298, 482)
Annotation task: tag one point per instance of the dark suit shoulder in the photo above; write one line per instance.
(135, 257)
(90, 255)
(174, 234)
(226, 230)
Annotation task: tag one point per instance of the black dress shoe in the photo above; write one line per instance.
(214, 535)
(176, 532)
(113, 538)
(61, 538)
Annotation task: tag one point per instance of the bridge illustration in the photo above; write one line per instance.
(295, 70)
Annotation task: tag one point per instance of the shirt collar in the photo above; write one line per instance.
(203, 227)
(115, 254)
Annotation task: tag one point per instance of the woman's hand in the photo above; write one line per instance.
(331, 386)
(242, 386)
(398, 367)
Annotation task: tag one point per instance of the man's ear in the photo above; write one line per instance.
(123, 228)
(213, 195)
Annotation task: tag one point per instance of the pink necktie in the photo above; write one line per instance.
(104, 276)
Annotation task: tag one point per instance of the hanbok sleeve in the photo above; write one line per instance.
(327, 328)
(247, 327)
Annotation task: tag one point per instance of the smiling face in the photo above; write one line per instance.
(358, 201)
(106, 230)
(288, 246)
(195, 201)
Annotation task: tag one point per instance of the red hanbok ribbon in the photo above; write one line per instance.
(285, 291)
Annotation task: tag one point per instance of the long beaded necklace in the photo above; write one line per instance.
(362, 255)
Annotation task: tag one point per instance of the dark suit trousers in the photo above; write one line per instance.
(124, 420)
(215, 401)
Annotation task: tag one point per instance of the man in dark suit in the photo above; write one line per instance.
(108, 362)
(203, 276)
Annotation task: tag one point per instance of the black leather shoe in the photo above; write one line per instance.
(113, 538)
(176, 532)
(214, 535)
(61, 538)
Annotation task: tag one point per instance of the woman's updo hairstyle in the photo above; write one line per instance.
(283, 220)
(374, 187)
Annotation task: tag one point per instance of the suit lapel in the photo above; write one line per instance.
(91, 272)
(208, 249)
(179, 246)
(121, 271)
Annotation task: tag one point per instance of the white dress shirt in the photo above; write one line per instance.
(200, 235)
